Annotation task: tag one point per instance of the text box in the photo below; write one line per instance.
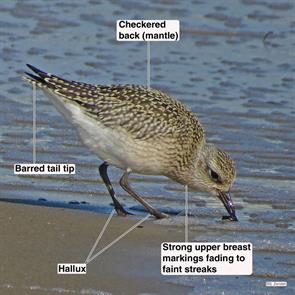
(206, 258)
(71, 268)
(148, 30)
(43, 168)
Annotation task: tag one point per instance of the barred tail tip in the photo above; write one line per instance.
(31, 78)
(40, 73)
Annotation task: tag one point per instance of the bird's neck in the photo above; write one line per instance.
(188, 174)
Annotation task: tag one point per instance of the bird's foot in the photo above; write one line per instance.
(122, 212)
(159, 214)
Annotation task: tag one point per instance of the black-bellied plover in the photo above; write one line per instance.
(141, 130)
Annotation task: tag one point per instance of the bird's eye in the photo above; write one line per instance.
(214, 175)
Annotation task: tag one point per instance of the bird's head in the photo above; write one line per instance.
(214, 171)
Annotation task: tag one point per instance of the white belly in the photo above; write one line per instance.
(116, 148)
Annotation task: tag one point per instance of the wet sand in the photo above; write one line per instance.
(34, 239)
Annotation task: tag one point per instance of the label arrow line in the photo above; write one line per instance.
(148, 64)
(34, 122)
(186, 214)
(117, 239)
(100, 235)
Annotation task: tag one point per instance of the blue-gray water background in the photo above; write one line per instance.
(240, 84)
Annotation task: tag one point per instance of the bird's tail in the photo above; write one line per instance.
(39, 79)
(68, 89)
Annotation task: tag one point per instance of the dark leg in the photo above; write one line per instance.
(104, 175)
(125, 185)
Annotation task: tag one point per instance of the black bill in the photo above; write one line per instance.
(229, 206)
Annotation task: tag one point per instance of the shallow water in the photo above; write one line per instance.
(240, 84)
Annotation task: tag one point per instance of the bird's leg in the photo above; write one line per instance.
(125, 185)
(104, 175)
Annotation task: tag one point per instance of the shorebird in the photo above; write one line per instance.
(141, 130)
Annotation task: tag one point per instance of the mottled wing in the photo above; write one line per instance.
(144, 113)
